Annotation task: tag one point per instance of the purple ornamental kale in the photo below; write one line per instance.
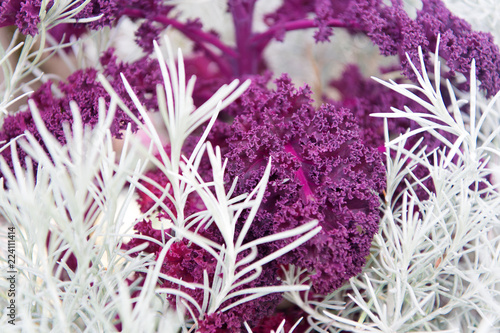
(22, 13)
(83, 88)
(321, 170)
(395, 33)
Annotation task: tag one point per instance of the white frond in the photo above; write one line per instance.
(180, 118)
(70, 208)
(231, 272)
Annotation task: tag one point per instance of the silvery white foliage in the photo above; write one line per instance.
(224, 211)
(434, 265)
(33, 51)
(236, 259)
(180, 118)
(70, 207)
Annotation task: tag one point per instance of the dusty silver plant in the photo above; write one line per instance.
(434, 265)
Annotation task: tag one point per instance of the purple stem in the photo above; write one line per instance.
(197, 35)
(223, 66)
(248, 56)
(262, 39)
(194, 34)
(249, 46)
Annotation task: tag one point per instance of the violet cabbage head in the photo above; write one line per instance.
(322, 170)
